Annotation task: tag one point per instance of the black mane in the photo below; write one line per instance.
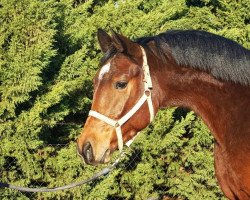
(223, 58)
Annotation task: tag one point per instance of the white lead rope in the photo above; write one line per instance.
(145, 97)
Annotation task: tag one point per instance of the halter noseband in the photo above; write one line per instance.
(145, 97)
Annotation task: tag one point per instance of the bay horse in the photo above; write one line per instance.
(204, 72)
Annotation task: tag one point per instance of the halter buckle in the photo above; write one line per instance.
(147, 92)
(117, 125)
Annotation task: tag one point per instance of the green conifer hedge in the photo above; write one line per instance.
(48, 57)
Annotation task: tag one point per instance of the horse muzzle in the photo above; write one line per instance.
(87, 153)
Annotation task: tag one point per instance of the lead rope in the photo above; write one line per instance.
(103, 172)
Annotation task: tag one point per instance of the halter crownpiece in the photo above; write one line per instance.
(145, 97)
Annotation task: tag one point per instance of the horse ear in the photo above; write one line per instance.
(105, 41)
(125, 45)
(117, 42)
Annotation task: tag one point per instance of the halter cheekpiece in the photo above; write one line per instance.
(145, 97)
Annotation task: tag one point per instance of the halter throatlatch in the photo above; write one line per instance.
(145, 97)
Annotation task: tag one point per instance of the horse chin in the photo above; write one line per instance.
(131, 135)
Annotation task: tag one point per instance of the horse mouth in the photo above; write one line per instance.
(105, 159)
(88, 157)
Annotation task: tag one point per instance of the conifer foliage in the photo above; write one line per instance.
(48, 57)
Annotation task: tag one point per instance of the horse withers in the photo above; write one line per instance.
(206, 73)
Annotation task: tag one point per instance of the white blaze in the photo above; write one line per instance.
(105, 69)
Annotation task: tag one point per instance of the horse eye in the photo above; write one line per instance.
(120, 85)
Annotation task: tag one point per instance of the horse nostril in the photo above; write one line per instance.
(88, 152)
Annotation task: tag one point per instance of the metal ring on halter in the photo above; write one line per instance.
(117, 125)
(147, 93)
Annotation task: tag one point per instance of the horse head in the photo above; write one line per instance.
(122, 101)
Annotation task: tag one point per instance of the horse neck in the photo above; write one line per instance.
(210, 98)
